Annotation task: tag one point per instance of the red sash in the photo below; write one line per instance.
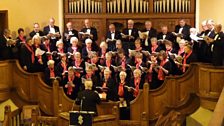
(121, 90)
(52, 74)
(161, 75)
(185, 60)
(31, 50)
(136, 82)
(123, 63)
(108, 63)
(153, 48)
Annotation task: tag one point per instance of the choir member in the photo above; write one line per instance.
(166, 35)
(70, 84)
(151, 33)
(138, 46)
(87, 49)
(27, 56)
(218, 46)
(108, 85)
(154, 46)
(188, 57)
(201, 53)
(130, 35)
(6, 45)
(53, 32)
(89, 33)
(102, 52)
(184, 29)
(137, 82)
(46, 46)
(40, 59)
(88, 98)
(36, 30)
(124, 90)
(62, 66)
(68, 34)
(90, 75)
(169, 47)
(181, 45)
(50, 72)
(112, 36)
(74, 45)
(164, 68)
(210, 33)
(21, 39)
(60, 47)
(152, 75)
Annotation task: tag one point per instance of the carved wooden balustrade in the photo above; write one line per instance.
(201, 85)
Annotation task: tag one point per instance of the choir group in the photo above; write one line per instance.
(118, 66)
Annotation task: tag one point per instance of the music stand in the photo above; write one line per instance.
(80, 118)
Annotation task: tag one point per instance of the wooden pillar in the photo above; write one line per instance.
(151, 6)
(145, 113)
(192, 5)
(55, 97)
(34, 117)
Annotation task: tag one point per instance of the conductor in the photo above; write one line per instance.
(87, 99)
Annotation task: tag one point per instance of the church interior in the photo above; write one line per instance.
(189, 94)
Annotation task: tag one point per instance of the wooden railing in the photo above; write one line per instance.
(12, 118)
(218, 115)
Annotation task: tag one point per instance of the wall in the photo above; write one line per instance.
(23, 13)
(211, 9)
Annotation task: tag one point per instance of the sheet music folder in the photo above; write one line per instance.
(80, 118)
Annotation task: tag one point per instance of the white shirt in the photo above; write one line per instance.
(164, 36)
(180, 30)
(129, 32)
(112, 35)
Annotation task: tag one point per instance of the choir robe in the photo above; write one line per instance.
(111, 85)
(190, 59)
(217, 49)
(111, 44)
(153, 79)
(37, 66)
(128, 96)
(185, 31)
(129, 43)
(40, 33)
(208, 53)
(202, 48)
(85, 53)
(118, 62)
(151, 33)
(52, 40)
(132, 83)
(75, 90)
(158, 49)
(26, 58)
(5, 51)
(19, 43)
(47, 78)
(71, 33)
(59, 70)
(167, 66)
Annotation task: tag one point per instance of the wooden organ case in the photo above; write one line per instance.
(104, 12)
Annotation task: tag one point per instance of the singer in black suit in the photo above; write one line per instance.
(93, 34)
(88, 99)
(129, 42)
(68, 33)
(112, 36)
(184, 29)
(166, 35)
(36, 30)
(53, 32)
(5, 49)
